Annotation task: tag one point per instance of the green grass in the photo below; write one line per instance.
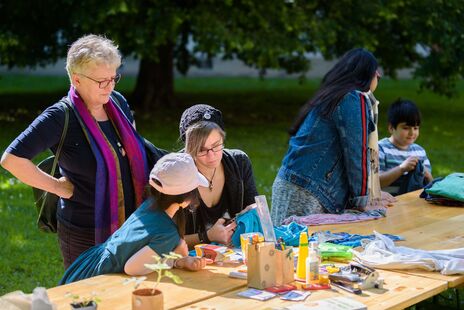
(257, 114)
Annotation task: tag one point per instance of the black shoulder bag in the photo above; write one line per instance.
(45, 202)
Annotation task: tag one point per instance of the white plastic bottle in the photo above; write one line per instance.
(312, 267)
(315, 246)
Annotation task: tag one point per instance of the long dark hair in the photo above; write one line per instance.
(163, 202)
(355, 70)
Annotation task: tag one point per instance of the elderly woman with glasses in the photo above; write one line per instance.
(102, 160)
(229, 173)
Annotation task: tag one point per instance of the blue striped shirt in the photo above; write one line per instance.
(391, 156)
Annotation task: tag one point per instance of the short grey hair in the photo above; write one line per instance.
(92, 49)
(198, 133)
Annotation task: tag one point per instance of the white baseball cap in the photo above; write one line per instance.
(176, 174)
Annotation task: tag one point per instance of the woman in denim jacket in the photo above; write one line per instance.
(326, 167)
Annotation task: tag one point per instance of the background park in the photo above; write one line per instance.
(171, 37)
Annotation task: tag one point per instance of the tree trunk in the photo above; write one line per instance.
(155, 81)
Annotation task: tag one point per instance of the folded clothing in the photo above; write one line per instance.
(429, 196)
(452, 186)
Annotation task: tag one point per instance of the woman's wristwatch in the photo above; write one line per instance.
(203, 236)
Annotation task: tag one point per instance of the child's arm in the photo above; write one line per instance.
(390, 176)
(428, 176)
(182, 248)
(135, 266)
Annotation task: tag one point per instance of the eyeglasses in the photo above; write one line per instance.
(104, 83)
(214, 149)
(378, 75)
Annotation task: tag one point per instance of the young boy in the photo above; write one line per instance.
(404, 165)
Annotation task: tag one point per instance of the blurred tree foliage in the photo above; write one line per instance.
(166, 34)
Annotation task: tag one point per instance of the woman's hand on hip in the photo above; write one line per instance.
(64, 188)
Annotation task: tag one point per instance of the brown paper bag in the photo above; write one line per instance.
(261, 265)
(284, 267)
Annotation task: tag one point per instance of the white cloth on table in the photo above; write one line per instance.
(17, 300)
(382, 253)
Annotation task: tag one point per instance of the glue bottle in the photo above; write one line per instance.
(315, 246)
(302, 255)
(312, 265)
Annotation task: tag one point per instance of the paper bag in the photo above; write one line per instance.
(261, 264)
(284, 267)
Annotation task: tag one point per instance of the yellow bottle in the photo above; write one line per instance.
(302, 255)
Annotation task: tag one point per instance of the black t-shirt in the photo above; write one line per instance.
(206, 217)
(239, 191)
(76, 161)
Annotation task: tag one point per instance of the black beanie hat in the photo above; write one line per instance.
(196, 113)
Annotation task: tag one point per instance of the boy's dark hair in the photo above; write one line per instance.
(404, 111)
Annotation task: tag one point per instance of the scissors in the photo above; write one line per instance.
(226, 216)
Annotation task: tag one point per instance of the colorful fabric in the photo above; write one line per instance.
(109, 197)
(246, 222)
(250, 222)
(355, 240)
(439, 200)
(290, 233)
(349, 216)
(452, 186)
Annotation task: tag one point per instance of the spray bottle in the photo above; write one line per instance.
(302, 255)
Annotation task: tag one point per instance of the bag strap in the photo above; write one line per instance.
(118, 103)
(63, 135)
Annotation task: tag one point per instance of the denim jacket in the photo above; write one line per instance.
(328, 156)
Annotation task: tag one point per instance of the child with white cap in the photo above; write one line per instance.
(155, 228)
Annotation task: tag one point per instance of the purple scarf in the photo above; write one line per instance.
(109, 199)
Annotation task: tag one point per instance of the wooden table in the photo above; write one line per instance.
(423, 225)
(400, 291)
(197, 286)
